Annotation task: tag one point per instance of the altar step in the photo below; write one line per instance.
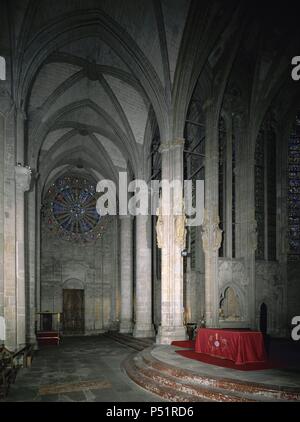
(45, 338)
(175, 384)
(137, 344)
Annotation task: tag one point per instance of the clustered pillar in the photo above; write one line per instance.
(171, 238)
(143, 288)
(23, 178)
(211, 233)
(126, 324)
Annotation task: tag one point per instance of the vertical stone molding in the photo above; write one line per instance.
(212, 235)
(173, 236)
(143, 292)
(2, 142)
(31, 270)
(23, 179)
(126, 324)
(212, 239)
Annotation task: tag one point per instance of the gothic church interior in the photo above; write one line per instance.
(194, 90)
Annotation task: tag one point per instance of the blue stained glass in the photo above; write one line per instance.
(70, 206)
(260, 194)
(294, 194)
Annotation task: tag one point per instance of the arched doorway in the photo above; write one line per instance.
(263, 323)
(73, 311)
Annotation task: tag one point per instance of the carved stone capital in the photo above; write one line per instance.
(211, 232)
(23, 178)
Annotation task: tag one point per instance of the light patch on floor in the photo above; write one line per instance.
(72, 387)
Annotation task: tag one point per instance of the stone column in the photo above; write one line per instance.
(212, 235)
(31, 273)
(212, 239)
(246, 227)
(229, 188)
(126, 325)
(143, 288)
(171, 239)
(23, 178)
(2, 142)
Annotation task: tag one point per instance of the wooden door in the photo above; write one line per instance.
(73, 311)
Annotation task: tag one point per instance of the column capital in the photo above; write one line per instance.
(23, 178)
(168, 145)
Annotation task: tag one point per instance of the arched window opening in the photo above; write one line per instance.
(155, 157)
(266, 193)
(233, 192)
(260, 195)
(156, 175)
(222, 183)
(194, 162)
(227, 190)
(263, 319)
(294, 193)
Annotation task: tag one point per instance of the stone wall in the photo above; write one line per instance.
(232, 274)
(92, 267)
(271, 290)
(293, 291)
(2, 127)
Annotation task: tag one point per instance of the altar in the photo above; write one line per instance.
(239, 346)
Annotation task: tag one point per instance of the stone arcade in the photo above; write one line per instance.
(159, 90)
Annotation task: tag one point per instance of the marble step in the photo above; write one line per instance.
(179, 386)
(157, 376)
(258, 392)
(151, 385)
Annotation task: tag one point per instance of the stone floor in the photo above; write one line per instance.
(84, 369)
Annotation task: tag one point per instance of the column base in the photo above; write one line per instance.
(33, 341)
(143, 331)
(126, 327)
(166, 335)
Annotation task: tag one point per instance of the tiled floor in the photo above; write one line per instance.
(88, 369)
(85, 369)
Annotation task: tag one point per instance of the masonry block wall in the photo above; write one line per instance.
(92, 267)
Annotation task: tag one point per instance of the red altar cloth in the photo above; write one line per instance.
(239, 346)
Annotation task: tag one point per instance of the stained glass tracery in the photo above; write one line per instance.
(260, 195)
(69, 209)
(194, 163)
(222, 183)
(266, 193)
(294, 193)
